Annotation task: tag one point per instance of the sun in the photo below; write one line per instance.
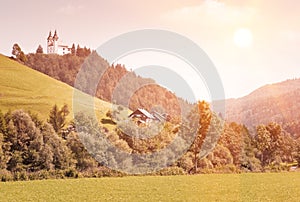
(243, 38)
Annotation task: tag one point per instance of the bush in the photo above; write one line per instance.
(174, 170)
(6, 176)
(276, 168)
(22, 176)
(228, 168)
(71, 172)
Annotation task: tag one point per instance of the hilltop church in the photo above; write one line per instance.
(56, 47)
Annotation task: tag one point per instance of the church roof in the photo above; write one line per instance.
(50, 36)
(55, 35)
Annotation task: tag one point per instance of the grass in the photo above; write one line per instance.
(209, 187)
(24, 88)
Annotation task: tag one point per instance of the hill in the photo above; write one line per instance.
(277, 102)
(116, 85)
(24, 88)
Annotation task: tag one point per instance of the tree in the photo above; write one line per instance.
(2, 123)
(2, 157)
(297, 151)
(205, 116)
(79, 51)
(54, 153)
(16, 50)
(25, 142)
(268, 141)
(73, 49)
(232, 138)
(40, 50)
(57, 118)
(83, 159)
(19, 53)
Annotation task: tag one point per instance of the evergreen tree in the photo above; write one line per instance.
(57, 118)
(73, 49)
(40, 50)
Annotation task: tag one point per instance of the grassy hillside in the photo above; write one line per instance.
(221, 187)
(24, 88)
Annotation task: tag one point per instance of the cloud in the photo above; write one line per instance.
(70, 9)
(212, 11)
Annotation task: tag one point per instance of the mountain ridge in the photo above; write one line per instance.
(277, 102)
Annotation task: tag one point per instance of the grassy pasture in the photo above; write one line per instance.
(208, 187)
(24, 88)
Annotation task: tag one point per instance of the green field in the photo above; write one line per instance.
(24, 88)
(208, 187)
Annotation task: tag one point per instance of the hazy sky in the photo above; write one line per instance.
(251, 42)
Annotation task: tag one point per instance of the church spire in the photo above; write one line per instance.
(55, 37)
(50, 36)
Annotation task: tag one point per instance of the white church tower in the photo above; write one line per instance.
(54, 47)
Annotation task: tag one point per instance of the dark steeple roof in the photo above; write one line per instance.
(55, 37)
(50, 36)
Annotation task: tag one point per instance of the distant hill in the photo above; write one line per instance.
(117, 84)
(279, 102)
(24, 88)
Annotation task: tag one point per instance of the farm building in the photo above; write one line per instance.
(143, 116)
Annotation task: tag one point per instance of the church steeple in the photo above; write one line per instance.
(55, 37)
(50, 36)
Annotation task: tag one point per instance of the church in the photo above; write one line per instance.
(56, 47)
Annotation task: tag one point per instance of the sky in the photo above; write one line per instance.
(251, 42)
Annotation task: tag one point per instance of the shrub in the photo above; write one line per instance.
(71, 172)
(5, 176)
(174, 170)
(228, 168)
(22, 176)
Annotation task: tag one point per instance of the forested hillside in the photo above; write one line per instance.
(144, 93)
(278, 102)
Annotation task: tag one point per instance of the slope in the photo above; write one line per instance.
(279, 102)
(24, 88)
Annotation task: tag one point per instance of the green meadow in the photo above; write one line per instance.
(24, 88)
(208, 187)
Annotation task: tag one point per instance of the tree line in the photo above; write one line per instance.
(33, 149)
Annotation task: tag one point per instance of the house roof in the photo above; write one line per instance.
(159, 116)
(146, 113)
(143, 111)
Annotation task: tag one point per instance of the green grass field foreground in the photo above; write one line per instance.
(208, 187)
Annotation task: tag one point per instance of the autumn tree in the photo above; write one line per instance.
(204, 119)
(268, 141)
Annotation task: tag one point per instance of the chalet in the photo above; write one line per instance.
(143, 116)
